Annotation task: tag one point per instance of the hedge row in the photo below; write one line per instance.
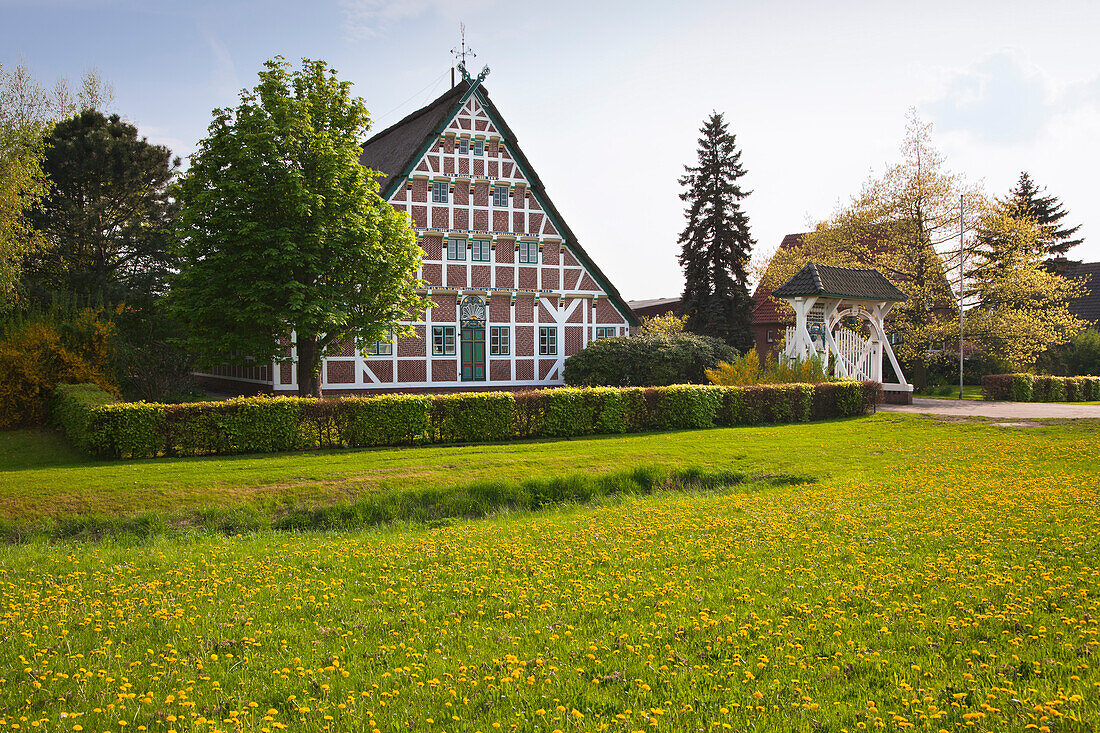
(100, 425)
(1040, 388)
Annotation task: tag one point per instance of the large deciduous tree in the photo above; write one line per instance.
(106, 221)
(716, 244)
(903, 223)
(283, 231)
(27, 111)
(1020, 306)
(24, 118)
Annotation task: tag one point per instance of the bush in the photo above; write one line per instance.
(682, 406)
(388, 420)
(39, 352)
(473, 417)
(1040, 388)
(746, 370)
(97, 423)
(649, 360)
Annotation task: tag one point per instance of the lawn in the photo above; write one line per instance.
(938, 575)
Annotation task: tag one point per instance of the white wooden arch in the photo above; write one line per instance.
(821, 297)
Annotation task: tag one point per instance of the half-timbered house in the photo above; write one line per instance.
(515, 294)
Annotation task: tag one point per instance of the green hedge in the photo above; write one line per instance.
(1040, 388)
(100, 425)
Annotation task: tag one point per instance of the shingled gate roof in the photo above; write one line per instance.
(395, 151)
(839, 282)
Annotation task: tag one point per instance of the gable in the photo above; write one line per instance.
(471, 117)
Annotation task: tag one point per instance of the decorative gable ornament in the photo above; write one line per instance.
(472, 312)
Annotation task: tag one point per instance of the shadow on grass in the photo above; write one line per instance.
(422, 505)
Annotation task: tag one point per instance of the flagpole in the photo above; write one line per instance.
(961, 278)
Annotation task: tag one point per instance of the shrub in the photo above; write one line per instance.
(40, 352)
(649, 360)
(472, 418)
(683, 406)
(1040, 388)
(97, 423)
(746, 370)
(387, 419)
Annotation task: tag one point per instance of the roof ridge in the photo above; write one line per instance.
(414, 114)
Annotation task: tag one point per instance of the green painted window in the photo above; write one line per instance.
(528, 253)
(500, 340)
(480, 250)
(464, 146)
(500, 195)
(381, 348)
(548, 341)
(456, 249)
(439, 192)
(479, 147)
(605, 332)
(443, 340)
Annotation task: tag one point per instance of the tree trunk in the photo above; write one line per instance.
(309, 366)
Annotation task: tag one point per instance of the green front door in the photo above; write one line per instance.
(473, 355)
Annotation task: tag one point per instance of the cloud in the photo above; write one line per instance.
(1002, 102)
(369, 18)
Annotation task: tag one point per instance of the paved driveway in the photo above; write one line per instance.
(978, 408)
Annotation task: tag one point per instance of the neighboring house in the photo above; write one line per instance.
(769, 324)
(514, 292)
(1087, 307)
(655, 307)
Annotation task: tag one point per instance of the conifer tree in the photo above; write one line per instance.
(716, 243)
(1047, 211)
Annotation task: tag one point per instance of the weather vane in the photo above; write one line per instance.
(460, 53)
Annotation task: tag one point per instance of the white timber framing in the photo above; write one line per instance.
(854, 356)
(528, 220)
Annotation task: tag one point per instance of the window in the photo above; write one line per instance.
(456, 249)
(479, 147)
(548, 341)
(443, 340)
(771, 336)
(605, 332)
(381, 348)
(500, 340)
(439, 192)
(464, 146)
(500, 196)
(479, 250)
(529, 253)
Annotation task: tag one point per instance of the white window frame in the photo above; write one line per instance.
(381, 348)
(456, 249)
(440, 192)
(478, 148)
(443, 340)
(548, 341)
(464, 146)
(480, 250)
(528, 253)
(500, 340)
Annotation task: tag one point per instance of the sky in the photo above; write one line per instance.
(607, 98)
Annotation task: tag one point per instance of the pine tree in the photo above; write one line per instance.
(716, 243)
(1047, 212)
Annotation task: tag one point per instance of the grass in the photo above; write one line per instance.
(41, 477)
(949, 391)
(935, 574)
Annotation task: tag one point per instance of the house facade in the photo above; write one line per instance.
(514, 293)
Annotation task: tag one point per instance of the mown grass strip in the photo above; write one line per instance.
(416, 505)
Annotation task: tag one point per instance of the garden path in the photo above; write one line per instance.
(975, 408)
